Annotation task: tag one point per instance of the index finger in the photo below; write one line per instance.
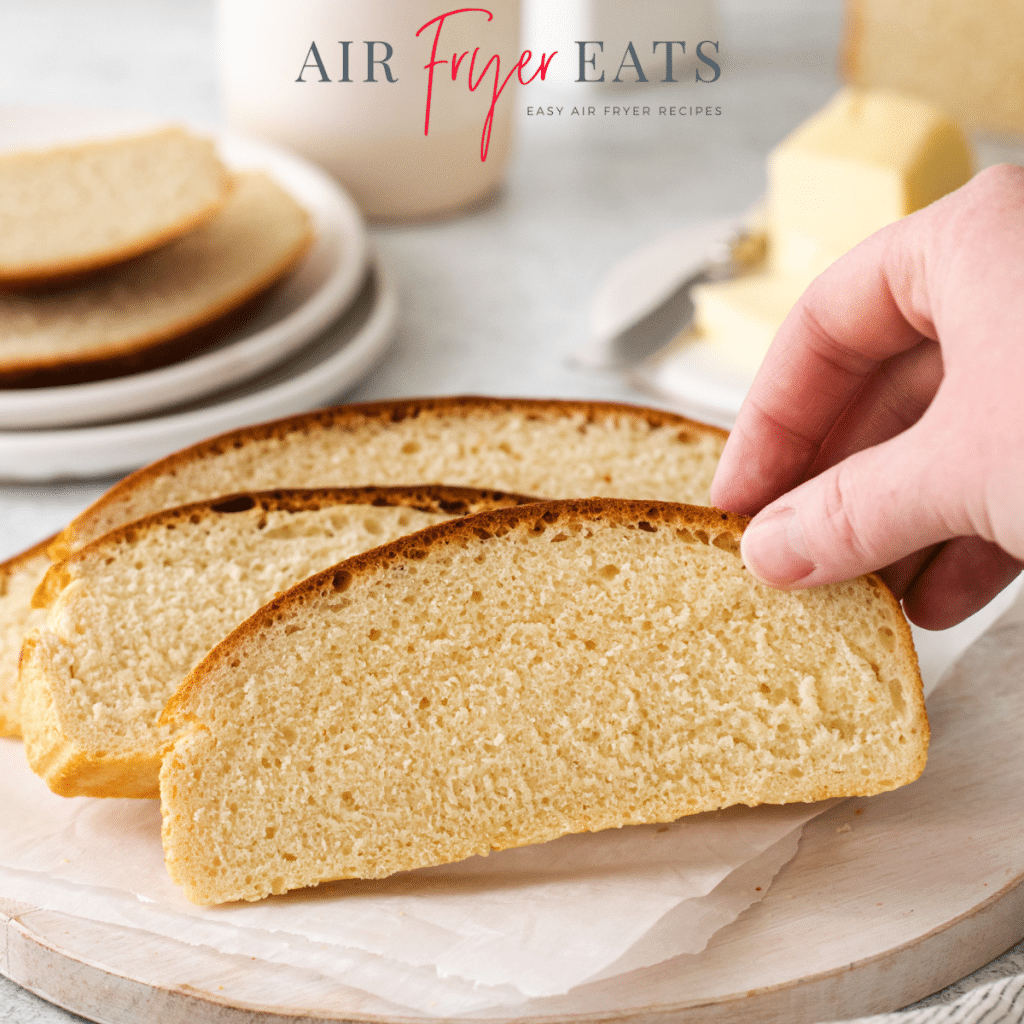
(855, 315)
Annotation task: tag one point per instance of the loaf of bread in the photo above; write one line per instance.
(516, 675)
(71, 210)
(161, 307)
(544, 447)
(960, 55)
(132, 612)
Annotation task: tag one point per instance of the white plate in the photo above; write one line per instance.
(296, 310)
(334, 360)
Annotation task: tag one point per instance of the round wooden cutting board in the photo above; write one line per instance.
(888, 899)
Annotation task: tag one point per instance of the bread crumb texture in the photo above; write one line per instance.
(517, 675)
(162, 295)
(555, 449)
(131, 614)
(77, 208)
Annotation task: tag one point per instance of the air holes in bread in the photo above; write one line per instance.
(241, 503)
(726, 542)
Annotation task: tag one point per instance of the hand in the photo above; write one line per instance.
(885, 427)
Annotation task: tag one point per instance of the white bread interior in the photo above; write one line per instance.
(78, 208)
(509, 677)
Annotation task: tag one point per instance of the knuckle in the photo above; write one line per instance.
(840, 360)
(997, 179)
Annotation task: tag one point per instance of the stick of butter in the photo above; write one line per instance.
(865, 160)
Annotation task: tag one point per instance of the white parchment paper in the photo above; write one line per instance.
(482, 935)
(491, 931)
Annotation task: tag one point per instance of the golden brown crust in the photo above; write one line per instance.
(544, 515)
(53, 582)
(456, 501)
(351, 417)
(163, 347)
(120, 362)
(11, 564)
(78, 271)
(71, 271)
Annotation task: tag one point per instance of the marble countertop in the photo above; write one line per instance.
(493, 302)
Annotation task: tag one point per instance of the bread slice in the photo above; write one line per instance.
(161, 307)
(19, 577)
(75, 209)
(559, 449)
(521, 674)
(132, 612)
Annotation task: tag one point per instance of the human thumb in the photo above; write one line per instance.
(865, 513)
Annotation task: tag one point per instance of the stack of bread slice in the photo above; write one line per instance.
(133, 611)
(514, 670)
(536, 447)
(518, 675)
(124, 255)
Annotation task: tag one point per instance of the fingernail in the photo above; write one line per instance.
(774, 550)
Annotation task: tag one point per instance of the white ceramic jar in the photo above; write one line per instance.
(345, 83)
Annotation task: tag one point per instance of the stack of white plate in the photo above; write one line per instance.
(315, 334)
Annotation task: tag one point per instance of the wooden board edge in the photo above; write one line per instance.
(82, 985)
(52, 970)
